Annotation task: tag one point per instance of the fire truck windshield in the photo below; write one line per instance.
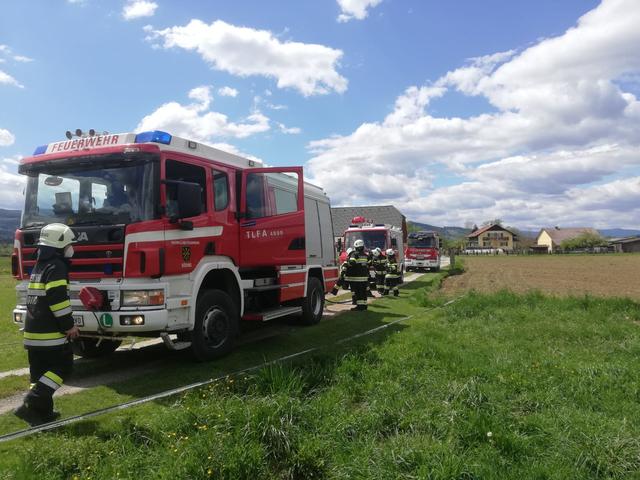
(422, 242)
(372, 239)
(96, 190)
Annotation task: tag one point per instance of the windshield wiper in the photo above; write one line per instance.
(89, 222)
(34, 225)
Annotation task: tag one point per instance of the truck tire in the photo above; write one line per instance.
(89, 347)
(216, 325)
(313, 303)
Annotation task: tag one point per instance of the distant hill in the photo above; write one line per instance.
(605, 232)
(618, 232)
(450, 233)
(9, 221)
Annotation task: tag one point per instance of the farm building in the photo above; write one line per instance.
(553, 237)
(388, 214)
(626, 245)
(492, 236)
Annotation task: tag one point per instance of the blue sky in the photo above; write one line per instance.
(455, 112)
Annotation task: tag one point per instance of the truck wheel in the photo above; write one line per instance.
(216, 326)
(313, 303)
(89, 347)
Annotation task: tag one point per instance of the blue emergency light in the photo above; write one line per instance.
(156, 136)
(40, 150)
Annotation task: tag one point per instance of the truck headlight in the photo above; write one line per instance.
(142, 298)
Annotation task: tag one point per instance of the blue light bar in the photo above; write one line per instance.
(40, 150)
(155, 136)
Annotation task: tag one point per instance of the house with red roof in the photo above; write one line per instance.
(492, 237)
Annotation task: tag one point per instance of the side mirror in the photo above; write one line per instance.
(339, 245)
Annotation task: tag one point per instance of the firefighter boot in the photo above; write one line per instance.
(334, 290)
(35, 417)
(395, 292)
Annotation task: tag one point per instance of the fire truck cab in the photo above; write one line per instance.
(423, 251)
(180, 238)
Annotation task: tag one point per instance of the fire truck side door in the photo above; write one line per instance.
(271, 217)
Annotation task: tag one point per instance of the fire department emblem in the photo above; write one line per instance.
(186, 254)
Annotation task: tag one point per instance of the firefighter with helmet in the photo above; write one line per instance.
(392, 277)
(49, 325)
(379, 264)
(357, 274)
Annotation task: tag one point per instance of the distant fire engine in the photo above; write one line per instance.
(423, 251)
(179, 237)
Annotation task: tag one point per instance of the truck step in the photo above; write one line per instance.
(172, 344)
(265, 288)
(267, 315)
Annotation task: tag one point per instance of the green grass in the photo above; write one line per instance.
(13, 354)
(490, 387)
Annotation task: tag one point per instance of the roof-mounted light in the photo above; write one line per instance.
(40, 150)
(155, 136)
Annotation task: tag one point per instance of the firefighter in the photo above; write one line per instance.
(379, 264)
(357, 274)
(392, 277)
(49, 324)
(343, 269)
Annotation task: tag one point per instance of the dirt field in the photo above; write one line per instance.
(600, 275)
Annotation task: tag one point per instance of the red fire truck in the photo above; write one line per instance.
(374, 235)
(423, 251)
(182, 239)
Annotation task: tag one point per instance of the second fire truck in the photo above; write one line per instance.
(423, 251)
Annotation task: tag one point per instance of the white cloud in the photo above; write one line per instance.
(308, 68)
(198, 122)
(6, 138)
(357, 9)
(289, 130)
(560, 126)
(134, 9)
(227, 92)
(7, 79)
(22, 59)
(11, 185)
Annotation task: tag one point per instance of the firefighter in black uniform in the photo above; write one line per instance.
(379, 264)
(357, 275)
(49, 324)
(392, 278)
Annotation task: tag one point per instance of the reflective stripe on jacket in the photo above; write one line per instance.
(48, 303)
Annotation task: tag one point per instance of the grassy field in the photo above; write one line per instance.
(13, 355)
(493, 386)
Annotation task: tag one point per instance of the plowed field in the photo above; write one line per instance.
(599, 275)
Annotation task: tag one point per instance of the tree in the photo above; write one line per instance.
(586, 240)
(495, 221)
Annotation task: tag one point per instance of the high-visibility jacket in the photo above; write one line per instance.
(392, 268)
(379, 265)
(48, 303)
(357, 267)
